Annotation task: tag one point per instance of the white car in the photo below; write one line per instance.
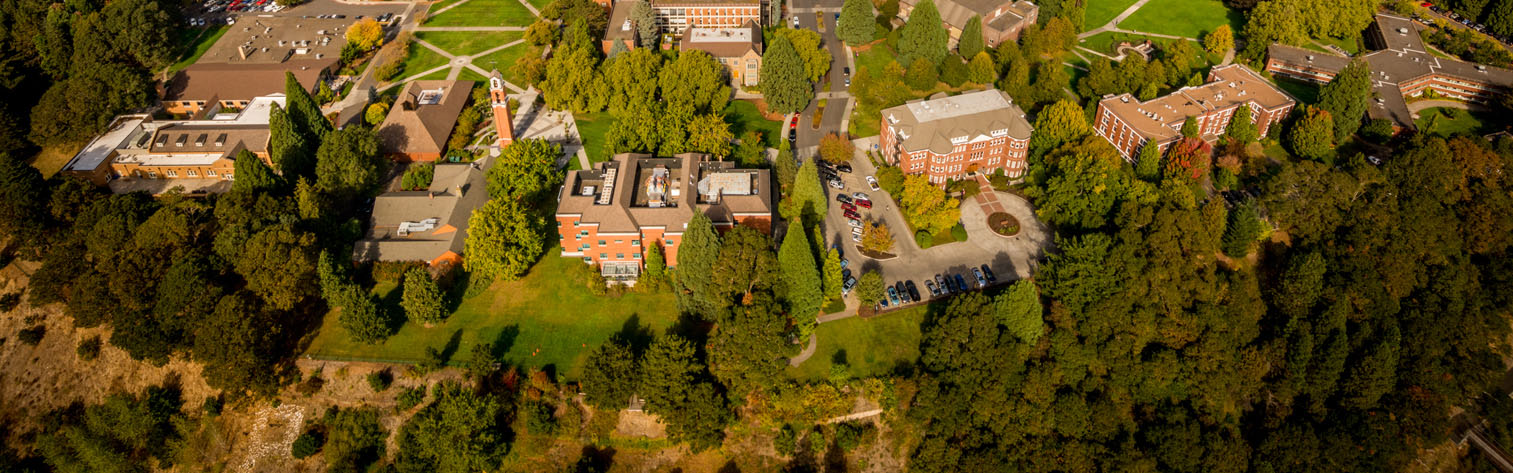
(872, 182)
(836, 183)
(854, 223)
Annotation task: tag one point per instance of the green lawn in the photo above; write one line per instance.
(421, 59)
(743, 116)
(542, 319)
(592, 128)
(468, 43)
(469, 74)
(1187, 18)
(1304, 91)
(871, 347)
(1100, 12)
(484, 13)
(1351, 45)
(540, 4)
(193, 42)
(504, 61)
(1453, 121)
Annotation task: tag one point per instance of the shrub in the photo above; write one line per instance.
(418, 177)
(392, 270)
(539, 419)
(411, 397)
(1378, 130)
(784, 442)
(312, 385)
(307, 444)
(380, 380)
(890, 179)
(89, 348)
(848, 435)
(9, 301)
(923, 239)
(959, 233)
(212, 405)
(32, 336)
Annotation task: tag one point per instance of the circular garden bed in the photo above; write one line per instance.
(1003, 224)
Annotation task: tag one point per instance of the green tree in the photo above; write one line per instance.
(856, 26)
(361, 316)
(922, 75)
(748, 349)
(745, 267)
(926, 206)
(971, 41)
(695, 267)
(700, 419)
(1219, 40)
(1243, 229)
(786, 166)
(1018, 310)
(252, 174)
(354, 439)
(807, 43)
(459, 432)
(982, 70)
(504, 239)
(655, 276)
(303, 111)
(801, 276)
(347, 163)
(1312, 135)
(422, 299)
(23, 198)
(278, 265)
(667, 371)
(287, 145)
(708, 133)
(1148, 162)
(1061, 122)
(527, 172)
(1190, 127)
(1242, 126)
(1346, 98)
(611, 375)
(627, 76)
(573, 80)
(1500, 18)
(869, 288)
(807, 197)
(831, 275)
(785, 83)
(1374, 375)
(923, 36)
(645, 20)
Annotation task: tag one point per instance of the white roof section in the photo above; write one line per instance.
(184, 159)
(98, 150)
(958, 105)
(719, 35)
(257, 111)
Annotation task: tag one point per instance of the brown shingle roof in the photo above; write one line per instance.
(628, 207)
(456, 190)
(418, 125)
(724, 42)
(241, 81)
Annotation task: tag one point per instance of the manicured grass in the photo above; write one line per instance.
(545, 318)
(468, 43)
(421, 59)
(52, 158)
(592, 128)
(1100, 12)
(438, 75)
(1187, 18)
(1454, 121)
(193, 42)
(504, 61)
(1351, 45)
(539, 4)
(484, 13)
(870, 347)
(1304, 91)
(743, 117)
(469, 74)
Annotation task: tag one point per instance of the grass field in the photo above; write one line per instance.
(52, 158)
(1454, 121)
(421, 59)
(542, 319)
(1187, 18)
(743, 116)
(1304, 91)
(592, 127)
(484, 13)
(193, 42)
(1100, 12)
(870, 347)
(504, 61)
(468, 43)
(539, 4)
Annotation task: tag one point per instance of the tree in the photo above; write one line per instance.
(1242, 126)
(971, 41)
(611, 375)
(856, 26)
(1061, 122)
(745, 267)
(304, 112)
(1190, 127)
(786, 166)
(573, 80)
(1148, 162)
(504, 239)
(708, 133)
(361, 316)
(654, 278)
(1500, 18)
(836, 150)
(375, 114)
(876, 237)
(1242, 230)
(784, 82)
(459, 432)
(926, 206)
(667, 371)
(700, 420)
(1018, 310)
(695, 266)
(869, 288)
(594, 16)
(800, 275)
(748, 349)
(354, 439)
(750, 151)
(422, 299)
(278, 264)
(252, 174)
(807, 43)
(526, 172)
(807, 197)
(23, 198)
(365, 34)
(542, 32)
(1346, 98)
(1219, 40)
(923, 36)
(981, 70)
(831, 275)
(645, 21)
(1312, 135)
(347, 164)
(287, 146)
(922, 75)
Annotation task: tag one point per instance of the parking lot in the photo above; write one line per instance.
(1008, 258)
(216, 12)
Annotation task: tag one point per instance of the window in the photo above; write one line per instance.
(587, 259)
(635, 243)
(603, 255)
(635, 255)
(210, 172)
(172, 173)
(601, 242)
(619, 255)
(669, 242)
(193, 173)
(152, 174)
(575, 223)
(617, 242)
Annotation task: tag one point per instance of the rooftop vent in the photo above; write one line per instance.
(1482, 68)
(587, 191)
(1310, 57)
(1402, 30)
(609, 186)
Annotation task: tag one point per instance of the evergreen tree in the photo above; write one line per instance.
(787, 167)
(1242, 126)
(655, 276)
(695, 266)
(831, 276)
(981, 70)
(1148, 162)
(801, 277)
(1346, 98)
(1190, 128)
(785, 83)
(252, 174)
(667, 371)
(287, 146)
(922, 75)
(1375, 373)
(645, 20)
(856, 23)
(869, 288)
(303, 110)
(1312, 135)
(1500, 18)
(1243, 229)
(1018, 309)
(807, 197)
(923, 36)
(748, 350)
(971, 41)
(611, 375)
(422, 299)
(23, 198)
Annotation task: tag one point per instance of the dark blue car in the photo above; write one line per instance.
(961, 284)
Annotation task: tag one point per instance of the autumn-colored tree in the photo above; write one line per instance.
(365, 34)
(836, 150)
(1188, 158)
(876, 238)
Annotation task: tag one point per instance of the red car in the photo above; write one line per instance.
(852, 215)
(863, 203)
(848, 206)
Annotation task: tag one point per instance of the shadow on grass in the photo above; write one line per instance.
(505, 340)
(450, 349)
(635, 335)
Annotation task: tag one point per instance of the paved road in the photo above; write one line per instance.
(809, 12)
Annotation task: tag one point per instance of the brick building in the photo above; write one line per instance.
(1128, 123)
(1002, 20)
(950, 137)
(421, 120)
(676, 16)
(738, 49)
(251, 60)
(1401, 67)
(611, 215)
(620, 28)
(140, 153)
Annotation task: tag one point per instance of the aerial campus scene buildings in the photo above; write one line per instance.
(756, 235)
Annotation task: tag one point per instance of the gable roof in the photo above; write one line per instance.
(724, 42)
(422, 117)
(931, 124)
(456, 190)
(1161, 118)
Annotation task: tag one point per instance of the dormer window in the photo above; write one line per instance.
(200, 140)
(182, 139)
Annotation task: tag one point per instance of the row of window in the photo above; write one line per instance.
(173, 173)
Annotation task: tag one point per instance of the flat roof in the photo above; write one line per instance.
(278, 39)
(99, 149)
(958, 105)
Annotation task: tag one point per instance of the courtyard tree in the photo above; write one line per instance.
(422, 298)
(1312, 135)
(708, 133)
(527, 171)
(365, 34)
(1242, 126)
(1219, 40)
(695, 267)
(747, 351)
(1148, 162)
(807, 44)
(784, 82)
(981, 70)
(459, 432)
(922, 75)
(347, 165)
(923, 35)
(1058, 123)
(1346, 98)
(926, 206)
(971, 41)
(876, 237)
(504, 239)
(836, 150)
(1190, 127)
(856, 26)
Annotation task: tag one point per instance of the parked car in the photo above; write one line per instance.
(981, 281)
(893, 296)
(848, 286)
(846, 70)
(844, 167)
(934, 290)
(851, 214)
(836, 183)
(855, 223)
(941, 283)
(961, 284)
(848, 206)
(864, 203)
(872, 182)
(986, 271)
(913, 290)
(856, 234)
(903, 293)
(843, 198)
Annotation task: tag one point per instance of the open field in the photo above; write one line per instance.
(484, 13)
(504, 61)
(870, 347)
(421, 59)
(1187, 18)
(543, 319)
(1100, 12)
(468, 43)
(742, 116)
(592, 129)
(1454, 121)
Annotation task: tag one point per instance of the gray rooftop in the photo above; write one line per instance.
(932, 124)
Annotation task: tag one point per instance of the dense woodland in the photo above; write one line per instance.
(1259, 305)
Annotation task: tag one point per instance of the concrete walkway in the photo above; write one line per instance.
(1113, 25)
(807, 352)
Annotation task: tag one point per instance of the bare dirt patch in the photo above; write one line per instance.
(640, 424)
